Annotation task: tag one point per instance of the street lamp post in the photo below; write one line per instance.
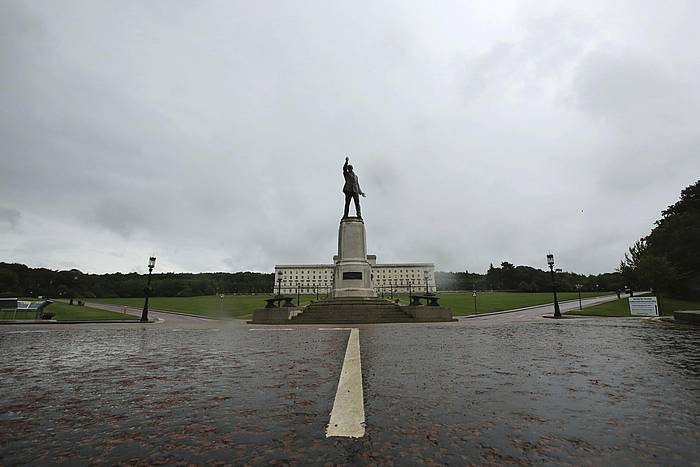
(73, 291)
(279, 285)
(550, 261)
(151, 265)
(425, 275)
(297, 294)
(474, 295)
(578, 287)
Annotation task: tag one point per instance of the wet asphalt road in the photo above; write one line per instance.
(524, 390)
(587, 391)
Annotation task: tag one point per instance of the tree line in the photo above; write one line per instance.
(527, 279)
(668, 259)
(20, 280)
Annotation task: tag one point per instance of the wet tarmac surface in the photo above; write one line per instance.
(586, 392)
(529, 391)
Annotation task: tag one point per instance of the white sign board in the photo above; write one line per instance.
(644, 306)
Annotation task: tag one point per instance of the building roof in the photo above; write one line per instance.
(378, 265)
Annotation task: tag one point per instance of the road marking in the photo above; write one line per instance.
(348, 413)
(271, 329)
(335, 329)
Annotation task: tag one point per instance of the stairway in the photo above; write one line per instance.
(352, 311)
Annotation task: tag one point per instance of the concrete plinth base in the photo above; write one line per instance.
(349, 310)
(352, 310)
(277, 315)
(353, 273)
(430, 314)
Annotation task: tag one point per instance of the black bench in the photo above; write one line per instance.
(279, 299)
(431, 300)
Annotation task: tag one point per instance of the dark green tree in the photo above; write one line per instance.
(668, 259)
(9, 282)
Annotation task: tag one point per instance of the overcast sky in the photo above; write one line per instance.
(212, 134)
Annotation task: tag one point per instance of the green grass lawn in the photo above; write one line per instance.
(242, 306)
(462, 303)
(232, 306)
(66, 312)
(616, 308)
(621, 308)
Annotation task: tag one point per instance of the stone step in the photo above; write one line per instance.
(346, 311)
(354, 308)
(354, 311)
(358, 304)
(351, 322)
(349, 301)
(363, 306)
(353, 315)
(329, 320)
(349, 310)
(349, 318)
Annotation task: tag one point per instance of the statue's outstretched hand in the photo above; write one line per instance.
(362, 194)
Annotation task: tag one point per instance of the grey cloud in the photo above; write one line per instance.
(487, 70)
(212, 134)
(629, 91)
(9, 216)
(646, 116)
(119, 217)
(538, 61)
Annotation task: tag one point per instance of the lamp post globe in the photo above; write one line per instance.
(151, 265)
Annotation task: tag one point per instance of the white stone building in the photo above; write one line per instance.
(386, 278)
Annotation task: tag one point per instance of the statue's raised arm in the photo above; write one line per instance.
(351, 189)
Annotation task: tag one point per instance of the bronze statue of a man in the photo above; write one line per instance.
(351, 189)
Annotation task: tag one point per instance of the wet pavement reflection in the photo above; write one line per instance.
(582, 391)
(588, 391)
(164, 396)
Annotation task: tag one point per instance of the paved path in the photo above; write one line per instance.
(171, 318)
(183, 319)
(536, 312)
(512, 388)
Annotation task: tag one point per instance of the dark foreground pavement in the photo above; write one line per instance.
(525, 391)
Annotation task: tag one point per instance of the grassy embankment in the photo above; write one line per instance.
(66, 312)
(621, 308)
(231, 306)
(242, 306)
(462, 303)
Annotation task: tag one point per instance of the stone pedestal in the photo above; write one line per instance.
(353, 273)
